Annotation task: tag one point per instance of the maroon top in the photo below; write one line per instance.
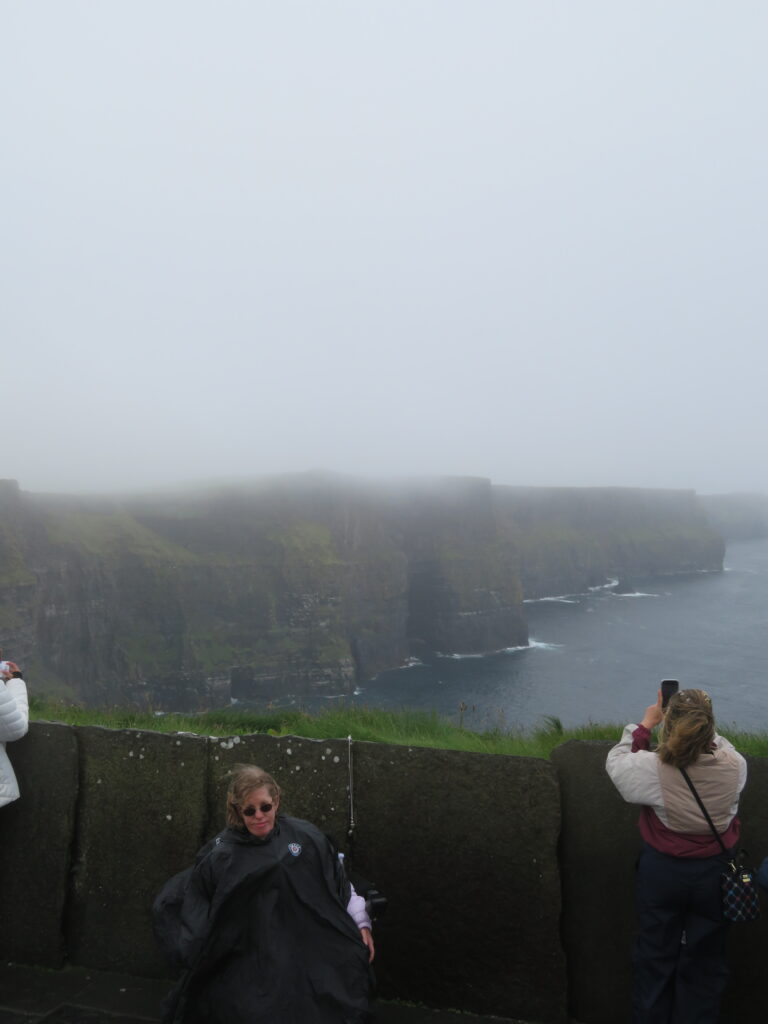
(679, 844)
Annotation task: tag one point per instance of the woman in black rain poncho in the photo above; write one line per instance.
(266, 925)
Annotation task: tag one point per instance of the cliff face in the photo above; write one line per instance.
(570, 539)
(180, 601)
(737, 516)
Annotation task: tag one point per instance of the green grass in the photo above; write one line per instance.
(406, 728)
(113, 533)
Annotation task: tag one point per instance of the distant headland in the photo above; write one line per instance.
(181, 600)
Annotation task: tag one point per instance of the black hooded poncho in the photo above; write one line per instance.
(262, 931)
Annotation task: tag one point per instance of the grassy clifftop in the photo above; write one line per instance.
(404, 728)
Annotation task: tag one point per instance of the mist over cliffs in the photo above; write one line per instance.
(569, 539)
(737, 516)
(182, 600)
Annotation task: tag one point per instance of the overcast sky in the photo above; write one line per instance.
(512, 238)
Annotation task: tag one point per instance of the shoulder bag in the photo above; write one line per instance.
(739, 891)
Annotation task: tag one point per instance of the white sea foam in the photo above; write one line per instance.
(411, 663)
(500, 650)
(573, 598)
(605, 586)
(543, 646)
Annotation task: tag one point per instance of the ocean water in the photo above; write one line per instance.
(600, 656)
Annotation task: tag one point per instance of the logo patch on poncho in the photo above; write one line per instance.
(295, 848)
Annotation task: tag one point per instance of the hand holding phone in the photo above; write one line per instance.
(668, 687)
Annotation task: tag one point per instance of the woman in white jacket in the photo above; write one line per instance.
(14, 722)
(679, 956)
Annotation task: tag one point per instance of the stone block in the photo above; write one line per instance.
(748, 943)
(141, 818)
(598, 848)
(36, 833)
(465, 848)
(312, 775)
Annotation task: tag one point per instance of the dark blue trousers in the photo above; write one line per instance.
(680, 971)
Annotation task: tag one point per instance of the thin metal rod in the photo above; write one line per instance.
(351, 829)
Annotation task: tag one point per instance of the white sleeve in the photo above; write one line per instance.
(724, 744)
(356, 909)
(14, 710)
(636, 776)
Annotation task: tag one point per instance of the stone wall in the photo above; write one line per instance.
(472, 850)
(599, 847)
(464, 845)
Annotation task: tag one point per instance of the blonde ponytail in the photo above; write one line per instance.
(688, 728)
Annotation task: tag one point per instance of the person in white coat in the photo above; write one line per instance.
(14, 722)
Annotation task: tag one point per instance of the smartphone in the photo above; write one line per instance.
(668, 687)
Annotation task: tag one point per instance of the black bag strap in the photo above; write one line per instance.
(704, 811)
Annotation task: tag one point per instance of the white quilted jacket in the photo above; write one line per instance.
(14, 722)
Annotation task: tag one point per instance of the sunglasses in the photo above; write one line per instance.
(248, 812)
